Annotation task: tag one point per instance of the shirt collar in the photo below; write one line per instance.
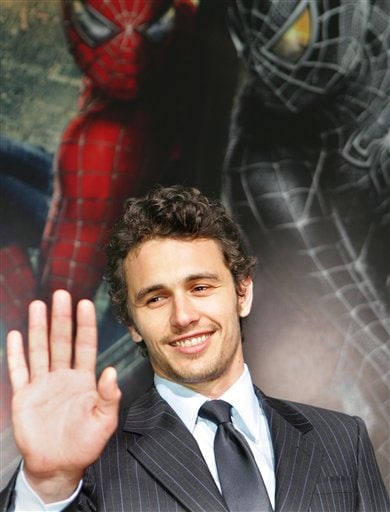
(186, 403)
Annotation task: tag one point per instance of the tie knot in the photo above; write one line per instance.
(217, 411)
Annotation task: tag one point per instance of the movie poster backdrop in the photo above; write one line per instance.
(261, 103)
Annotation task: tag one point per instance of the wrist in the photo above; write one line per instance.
(53, 487)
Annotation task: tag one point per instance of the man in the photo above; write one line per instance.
(180, 280)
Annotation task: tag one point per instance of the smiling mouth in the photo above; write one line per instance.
(191, 342)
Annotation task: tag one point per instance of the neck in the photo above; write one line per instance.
(216, 387)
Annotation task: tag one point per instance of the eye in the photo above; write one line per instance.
(154, 300)
(200, 288)
(157, 30)
(92, 26)
(295, 39)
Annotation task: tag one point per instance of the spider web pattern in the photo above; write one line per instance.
(336, 28)
(118, 65)
(102, 160)
(312, 186)
(115, 145)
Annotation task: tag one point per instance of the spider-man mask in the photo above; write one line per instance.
(119, 43)
(299, 49)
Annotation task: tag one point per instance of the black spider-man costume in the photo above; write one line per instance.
(308, 173)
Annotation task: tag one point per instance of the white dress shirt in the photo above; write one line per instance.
(247, 417)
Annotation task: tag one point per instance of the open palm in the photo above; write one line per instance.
(62, 416)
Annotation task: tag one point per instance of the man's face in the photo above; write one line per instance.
(185, 307)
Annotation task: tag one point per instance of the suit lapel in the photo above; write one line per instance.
(297, 458)
(165, 447)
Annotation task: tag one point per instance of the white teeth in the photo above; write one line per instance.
(191, 342)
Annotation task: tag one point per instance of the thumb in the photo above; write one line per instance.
(108, 390)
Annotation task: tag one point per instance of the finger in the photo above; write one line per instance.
(61, 330)
(17, 365)
(86, 337)
(38, 348)
(109, 392)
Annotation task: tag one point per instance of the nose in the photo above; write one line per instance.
(183, 312)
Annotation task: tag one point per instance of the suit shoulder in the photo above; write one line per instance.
(317, 414)
(306, 417)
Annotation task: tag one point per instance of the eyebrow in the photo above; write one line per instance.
(143, 292)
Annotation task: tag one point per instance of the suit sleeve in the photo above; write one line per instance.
(82, 503)
(7, 495)
(86, 499)
(372, 495)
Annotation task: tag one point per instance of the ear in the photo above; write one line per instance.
(245, 297)
(135, 335)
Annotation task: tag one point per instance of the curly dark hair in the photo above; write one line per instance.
(172, 212)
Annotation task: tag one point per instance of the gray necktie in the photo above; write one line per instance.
(241, 482)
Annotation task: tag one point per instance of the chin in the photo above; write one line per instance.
(196, 377)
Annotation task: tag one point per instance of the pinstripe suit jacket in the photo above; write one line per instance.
(324, 462)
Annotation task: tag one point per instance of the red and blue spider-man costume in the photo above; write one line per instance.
(124, 137)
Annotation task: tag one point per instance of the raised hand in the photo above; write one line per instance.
(62, 416)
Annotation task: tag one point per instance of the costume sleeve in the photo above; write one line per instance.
(372, 495)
